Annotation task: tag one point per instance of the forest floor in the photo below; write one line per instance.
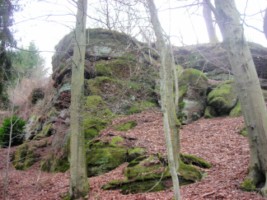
(216, 140)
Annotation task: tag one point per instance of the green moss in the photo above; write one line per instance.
(209, 112)
(130, 186)
(119, 68)
(102, 158)
(236, 111)
(150, 174)
(116, 140)
(55, 163)
(149, 168)
(248, 185)
(97, 116)
(222, 98)
(45, 132)
(194, 160)
(244, 132)
(193, 77)
(101, 84)
(126, 126)
(189, 173)
(138, 107)
(182, 91)
(135, 152)
(24, 157)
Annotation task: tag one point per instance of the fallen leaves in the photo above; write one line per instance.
(216, 140)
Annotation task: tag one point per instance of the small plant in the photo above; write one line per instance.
(12, 125)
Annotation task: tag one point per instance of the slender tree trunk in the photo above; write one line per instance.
(78, 173)
(265, 24)
(167, 99)
(207, 14)
(247, 87)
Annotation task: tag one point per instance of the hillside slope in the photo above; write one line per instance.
(216, 140)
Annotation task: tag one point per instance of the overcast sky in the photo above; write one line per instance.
(45, 22)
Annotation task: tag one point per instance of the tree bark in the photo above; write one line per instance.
(78, 172)
(207, 14)
(247, 87)
(265, 24)
(167, 99)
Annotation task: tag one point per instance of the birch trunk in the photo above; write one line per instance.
(167, 99)
(207, 14)
(78, 173)
(247, 87)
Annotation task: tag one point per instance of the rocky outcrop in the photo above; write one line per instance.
(212, 60)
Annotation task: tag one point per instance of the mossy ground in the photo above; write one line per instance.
(248, 185)
(126, 126)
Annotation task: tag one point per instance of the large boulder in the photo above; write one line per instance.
(151, 173)
(221, 100)
(193, 86)
(212, 59)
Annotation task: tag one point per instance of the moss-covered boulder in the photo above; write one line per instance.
(194, 160)
(96, 116)
(55, 163)
(210, 112)
(145, 174)
(106, 153)
(193, 85)
(24, 157)
(103, 157)
(223, 98)
(236, 111)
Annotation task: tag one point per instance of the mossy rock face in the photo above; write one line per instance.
(55, 163)
(97, 116)
(46, 131)
(103, 157)
(125, 126)
(193, 77)
(223, 98)
(209, 112)
(24, 157)
(117, 68)
(193, 85)
(147, 174)
(121, 95)
(138, 107)
(236, 111)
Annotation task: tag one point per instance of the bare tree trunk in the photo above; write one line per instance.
(265, 24)
(207, 14)
(167, 99)
(78, 173)
(247, 87)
